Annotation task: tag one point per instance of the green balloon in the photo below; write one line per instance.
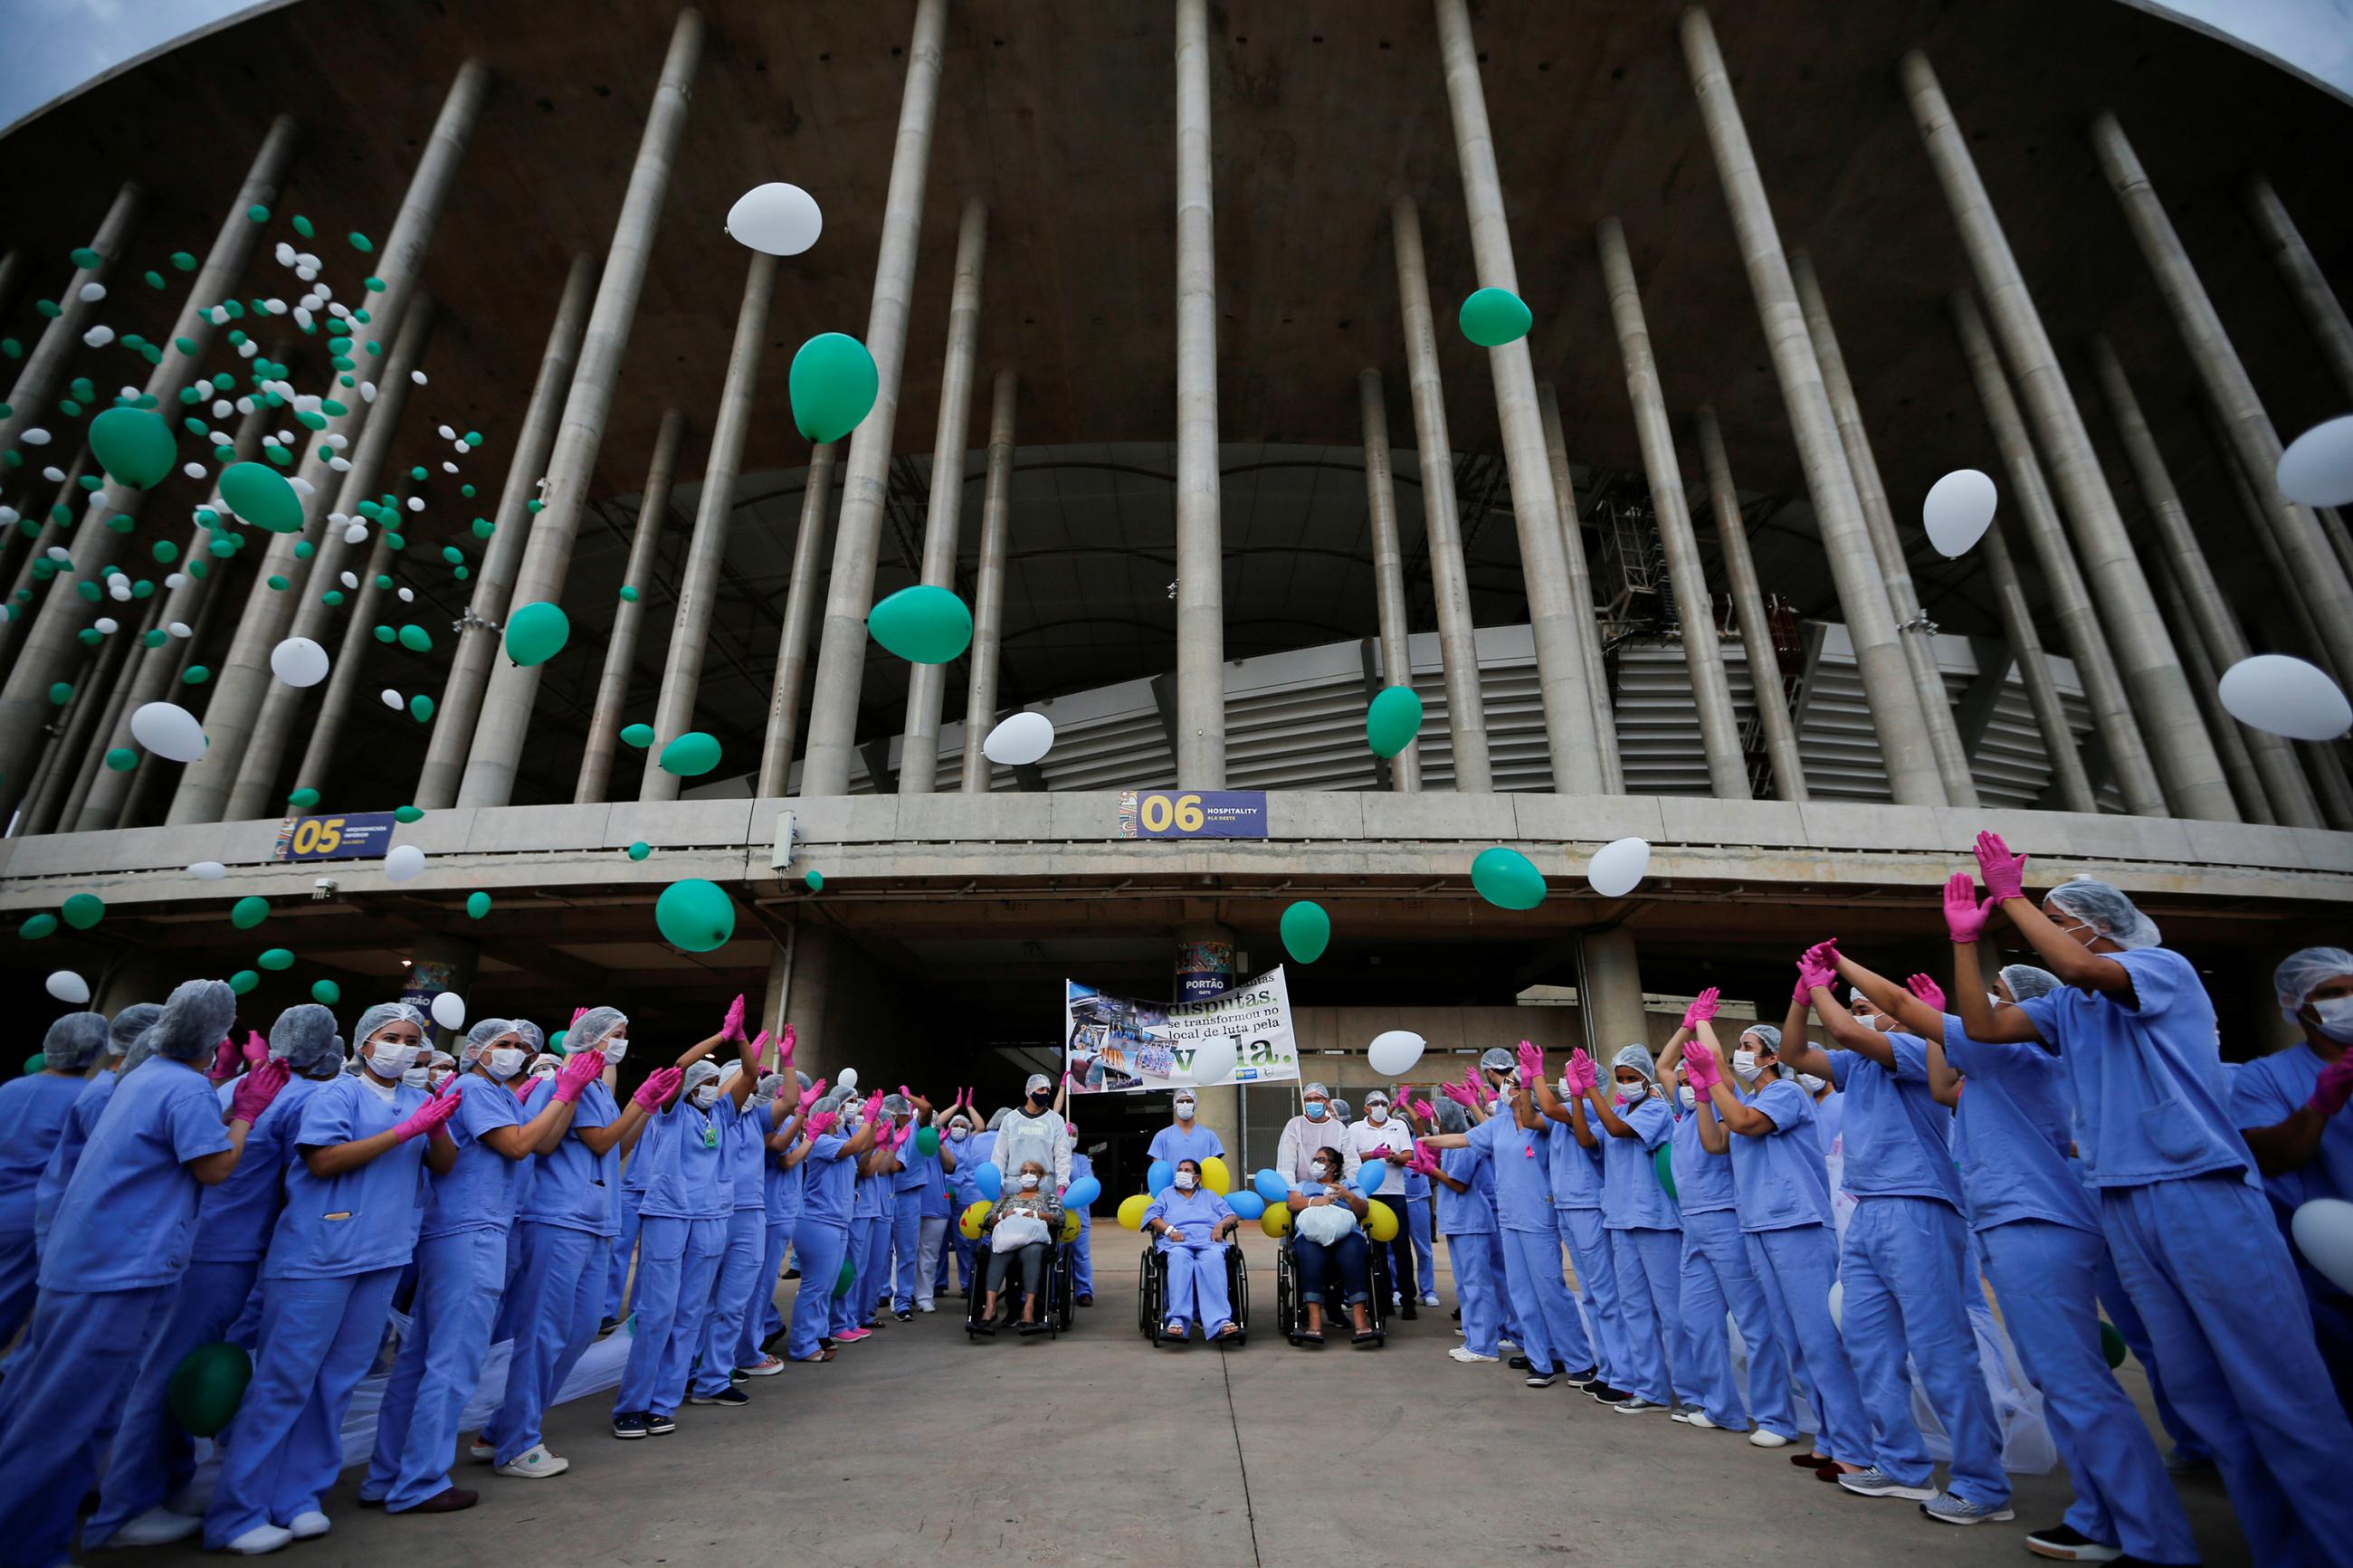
(133, 445)
(326, 992)
(1393, 720)
(478, 904)
(83, 911)
(695, 915)
(640, 849)
(1507, 878)
(122, 759)
(692, 756)
(628, 594)
(420, 708)
(243, 981)
(406, 814)
(303, 799)
(638, 737)
(37, 1062)
(843, 1280)
(415, 638)
(921, 625)
(927, 1141)
(37, 926)
(814, 881)
(1662, 1165)
(208, 1386)
(833, 383)
(1493, 317)
(277, 958)
(537, 633)
(260, 495)
(2111, 1344)
(1306, 930)
(248, 913)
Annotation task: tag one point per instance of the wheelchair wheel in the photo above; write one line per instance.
(1286, 1303)
(1062, 1304)
(1376, 1305)
(1238, 1295)
(1148, 1295)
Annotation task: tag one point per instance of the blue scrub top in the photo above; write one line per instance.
(743, 1145)
(2012, 1135)
(1465, 1214)
(1197, 1214)
(572, 1187)
(1703, 1182)
(1082, 1166)
(686, 1168)
(827, 1179)
(127, 1220)
(1779, 1180)
(480, 1191)
(1576, 1170)
(964, 1181)
(2152, 1102)
(1173, 1143)
(1897, 1137)
(1523, 1176)
(869, 1197)
(33, 1113)
(366, 1219)
(2267, 1091)
(235, 1218)
(1631, 1198)
(783, 1185)
(1829, 1121)
(50, 1190)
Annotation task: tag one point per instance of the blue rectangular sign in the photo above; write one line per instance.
(355, 836)
(1192, 814)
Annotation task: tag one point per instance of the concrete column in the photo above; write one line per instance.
(69, 495)
(117, 686)
(496, 751)
(866, 475)
(35, 390)
(16, 266)
(1450, 581)
(2238, 762)
(988, 589)
(1389, 564)
(817, 947)
(437, 963)
(81, 719)
(1719, 730)
(2331, 331)
(2179, 746)
(326, 731)
(2074, 785)
(1898, 724)
(2300, 633)
(478, 630)
(279, 715)
(2290, 799)
(1221, 1109)
(1552, 617)
(706, 549)
(1611, 993)
(1580, 590)
(801, 618)
(2071, 601)
(610, 714)
(919, 752)
(244, 681)
(1916, 631)
(1201, 554)
(1748, 603)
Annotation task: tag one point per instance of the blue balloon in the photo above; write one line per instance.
(1370, 1175)
(989, 1180)
(1159, 1176)
(1082, 1191)
(1248, 1204)
(1270, 1186)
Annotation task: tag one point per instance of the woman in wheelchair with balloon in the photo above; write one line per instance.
(1192, 1229)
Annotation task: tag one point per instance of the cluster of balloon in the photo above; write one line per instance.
(694, 915)
(1306, 930)
(1958, 511)
(1507, 878)
(1618, 867)
(1393, 720)
(1018, 740)
(922, 625)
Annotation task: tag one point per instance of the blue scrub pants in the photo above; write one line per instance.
(1478, 1263)
(2117, 1304)
(556, 1301)
(63, 1389)
(1197, 1287)
(870, 1240)
(624, 1244)
(677, 1259)
(285, 1449)
(906, 1247)
(760, 1318)
(960, 1250)
(1550, 1332)
(506, 1325)
(2046, 1275)
(1716, 1274)
(1083, 1258)
(1588, 1240)
(1650, 1265)
(460, 1280)
(732, 1290)
(20, 1269)
(1417, 1225)
(820, 1246)
(152, 1457)
(2214, 1283)
(1795, 1267)
(1901, 1267)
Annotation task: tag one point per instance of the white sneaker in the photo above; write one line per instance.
(156, 1527)
(1429, 1298)
(309, 1525)
(482, 1452)
(1693, 1417)
(1466, 1355)
(766, 1366)
(924, 1306)
(1766, 1437)
(260, 1538)
(536, 1465)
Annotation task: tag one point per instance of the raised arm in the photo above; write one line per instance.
(1981, 1019)
(2004, 875)
(1916, 1017)
(1703, 1064)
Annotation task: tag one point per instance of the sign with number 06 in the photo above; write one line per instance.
(1192, 814)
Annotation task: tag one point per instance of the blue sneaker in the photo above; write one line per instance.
(1949, 1508)
(1876, 1482)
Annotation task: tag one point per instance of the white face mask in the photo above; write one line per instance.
(1028, 1181)
(504, 1061)
(1689, 1096)
(1184, 1181)
(546, 1066)
(958, 1134)
(1183, 1110)
(1628, 1093)
(391, 1060)
(1319, 1171)
(1811, 1084)
(418, 1077)
(705, 1096)
(1377, 1114)
(2336, 1015)
(617, 1049)
(1744, 1063)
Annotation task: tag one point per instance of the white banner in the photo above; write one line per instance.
(1116, 1044)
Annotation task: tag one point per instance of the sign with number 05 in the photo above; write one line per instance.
(356, 836)
(1192, 814)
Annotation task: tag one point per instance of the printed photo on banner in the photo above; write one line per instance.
(1117, 1045)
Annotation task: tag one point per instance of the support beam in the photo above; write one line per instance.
(1719, 729)
(801, 618)
(1200, 554)
(92, 700)
(318, 756)
(2230, 736)
(1973, 714)
(1580, 590)
(25, 599)
(117, 693)
(1749, 604)
(919, 752)
(1449, 580)
(1610, 992)
(2068, 780)
(35, 390)
(866, 475)
(988, 588)
(1544, 567)
(1389, 565)
(610, 715)
(495, 754)
(2332, 332)
(1898, 724)
(486, 612)
(2286, 604)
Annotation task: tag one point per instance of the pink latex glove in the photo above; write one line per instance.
(225, 1061)
(784, 1043)
(731, 1028)
(1965, 918)
(1701, 1068)
(1580, 1071)
(659, 1086)
(257, 1050)
(821, 1123)
(814, 1092)
(1531, 1062)
(2003, 874)
(573, 1074)
(759, 1051)
(1813, 970)
(2334, 1088)
(530, 1087)
(1422, 1110)
(1459, 1095)
(577, 1013)
(1703, 1007)
(428, 1117)
(255, 1090)
(873, 1108)
(1928, 991)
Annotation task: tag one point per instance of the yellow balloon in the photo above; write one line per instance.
(1216, 1177)
(1381, 1220)
(1275, 1220)
(969, 1224)
(1069, 1226)
(1131, 1210)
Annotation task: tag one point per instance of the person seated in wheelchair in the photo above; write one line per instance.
(1022, 1229)
(1328, 1245)
(1192, 1226)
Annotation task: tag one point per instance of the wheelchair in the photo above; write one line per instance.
(1056, 1311)
(1152, 1295)
(1290, 1314)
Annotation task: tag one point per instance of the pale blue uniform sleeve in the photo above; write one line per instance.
(195, 1125)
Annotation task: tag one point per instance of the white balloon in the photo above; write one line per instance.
(1958, 511)
(169, 730)
(1020, 739)
(181, 628)
(2284, 696)
(449, 1010)
(849, 1078)
(780, 220)
(299, 661)
(69, 987)
(1618, 868)
(2317, 467)
(391, 698)
(2323, 1233)
(403, 861)
(1214, 1060)
(208, 870)
(1394, 1051)
(1838, 1304)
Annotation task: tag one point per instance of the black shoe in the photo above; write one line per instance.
(730, 1397)
(793, 1272)
(1406, 1311)
(627, 1424)
(1540, 1377)
(2064, 1542)
(1601, 1393)
(1456, 1314)
(1586, 1378)
(904, 1317)
(657, 1424)
(1518, 1364)
(608, 1326)
(1086, 1300)
(774, 1345)
(1031, 1328)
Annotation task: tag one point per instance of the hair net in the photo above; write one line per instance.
(1375, 1097)
(1452, 1118)
(2301, 973)
(701, 1073)
(729, 1072)
(129, 1024)
(441, 1059)
(75, 1040)
(1769, 1033)
(479, 1037)
(805, 1081)
(195, 1015)
(2108, 912)
(304, 1039)
(351, 1067)
(383, 1013)
(956, 1116)
(1314, 1089)
(830, 1103)
(596, 1026)
(1639, 1058)
(533, 1037)
(765, 1089)
(996, 1118)
(1496, 1059)
(897, 1105)
(1037, 1080)
(1341, 1109)
(2026, 982)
